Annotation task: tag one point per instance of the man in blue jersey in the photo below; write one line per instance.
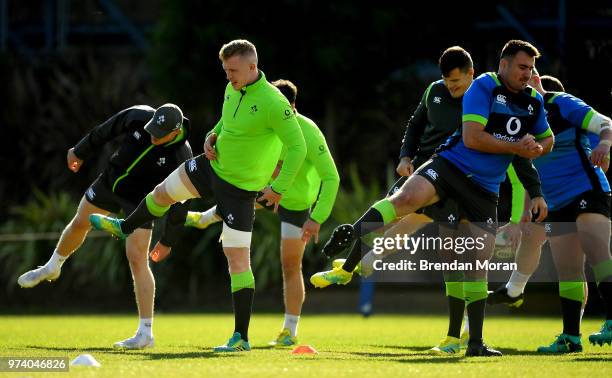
(578, 222)
(502, 117)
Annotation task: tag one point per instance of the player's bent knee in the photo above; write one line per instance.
(403, 198)
(232, 238)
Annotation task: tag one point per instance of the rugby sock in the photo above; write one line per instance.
(603, 271)
(56, 261)
(572, 297)
(291, 323)
(381, 213)
(146, 211)
(146, 327)
(517, 282)
(243, 291)
(475, 298)
(456, 306)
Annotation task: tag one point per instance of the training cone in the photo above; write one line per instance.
(85, 360)
(304, 349)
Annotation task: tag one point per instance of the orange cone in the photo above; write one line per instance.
(304, 349)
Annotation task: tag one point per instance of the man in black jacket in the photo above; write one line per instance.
(154, 144)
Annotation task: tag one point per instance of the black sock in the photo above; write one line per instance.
(455, 316)
(137, 218)
(243, 303)
(476, 314)
(374, 220)
(571, 316)
(605, 291)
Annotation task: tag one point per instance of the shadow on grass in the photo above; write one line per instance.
(414, 348)
(207, 353)
(519, 352)
(67, 349)
(593, 359)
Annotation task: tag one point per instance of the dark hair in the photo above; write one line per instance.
(551, 84)
(514, 46)
(455, 57)
(287, 88)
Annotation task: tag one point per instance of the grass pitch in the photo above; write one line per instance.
(348, 346)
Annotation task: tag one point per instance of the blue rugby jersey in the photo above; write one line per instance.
(507, 116)
(567, 171)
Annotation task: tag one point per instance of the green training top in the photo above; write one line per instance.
(318, 171)
(518, 195)
(255, 123)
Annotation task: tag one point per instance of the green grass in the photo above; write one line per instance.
(348, 345)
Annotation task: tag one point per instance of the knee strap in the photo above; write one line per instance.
(175, 188)
(232, 238)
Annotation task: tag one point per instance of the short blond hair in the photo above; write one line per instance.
(240, 47)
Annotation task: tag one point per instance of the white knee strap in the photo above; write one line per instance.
(232, 238)
(175, 188)
(290, 231)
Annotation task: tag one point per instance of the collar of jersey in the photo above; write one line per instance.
(256, 84)
(178, 138)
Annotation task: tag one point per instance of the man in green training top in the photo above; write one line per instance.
(241, 153)
(298, 224)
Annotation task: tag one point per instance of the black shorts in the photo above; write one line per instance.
(100, 194)
(294, 217)
(236, 206)
(444, 211)
(563, 221)
(476, 204)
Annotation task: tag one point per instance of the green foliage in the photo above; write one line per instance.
(99, 262)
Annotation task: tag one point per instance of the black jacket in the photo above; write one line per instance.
(137, 166)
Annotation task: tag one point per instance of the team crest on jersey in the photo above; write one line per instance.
(501, 99)
(253, 109)
(161, 119)
(530, 109)
(230, 218)
(161, 161)
(431, 173)
(583, 204)
(437, 99)
(192, 166)
(288, 114)
(451, 218)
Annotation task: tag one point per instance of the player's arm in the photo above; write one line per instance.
(476, 105)
(211, 139)
(414, 130)
(518, 196)
(528, 176)
(323, 162)
(172, 232)
(601, 125)
(284, 123)
(116, 125)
